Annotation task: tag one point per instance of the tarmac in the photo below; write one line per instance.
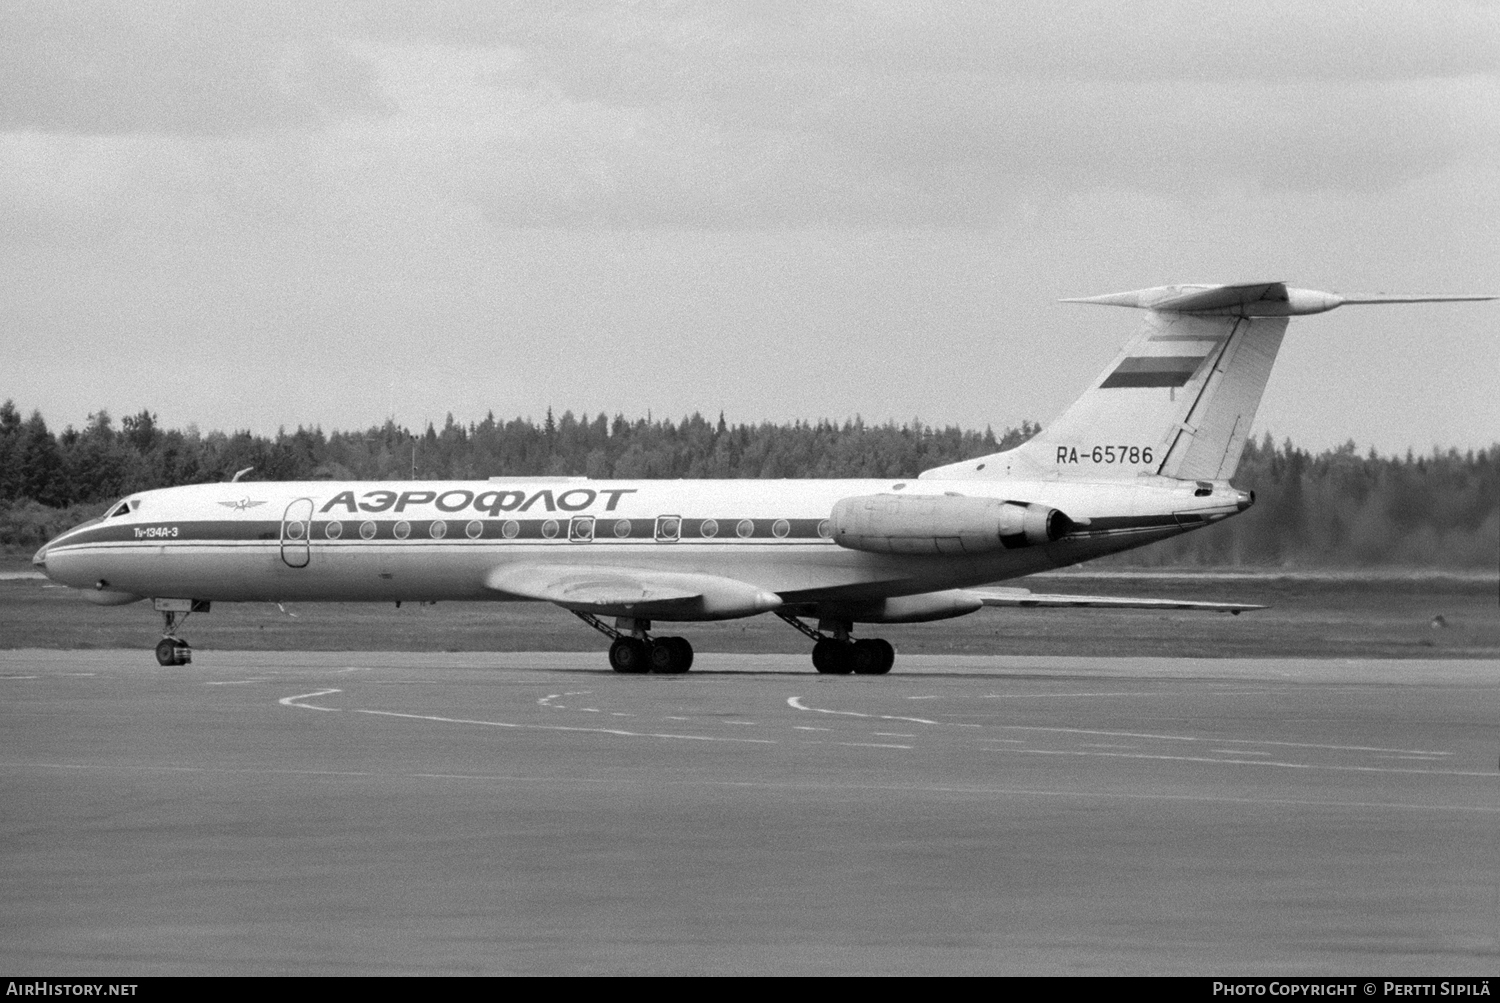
(384, 813)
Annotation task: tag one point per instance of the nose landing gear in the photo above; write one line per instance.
(171, 649)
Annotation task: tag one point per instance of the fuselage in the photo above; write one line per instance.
(444, 540)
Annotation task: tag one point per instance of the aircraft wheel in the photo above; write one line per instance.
(884, 656)
(671, 655)
(832, 657)
(866, 657)
(629, 655)
(173, 651)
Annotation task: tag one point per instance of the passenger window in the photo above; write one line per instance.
(668, 528)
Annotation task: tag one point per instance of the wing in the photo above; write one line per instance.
(1025, 597)
(633, 592)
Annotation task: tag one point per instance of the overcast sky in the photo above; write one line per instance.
(272, 214)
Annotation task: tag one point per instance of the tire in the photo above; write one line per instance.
(865, 657)
(671, 655)
(166, 651)
(628, 655)
(831, 657)
(684, 653)
(887, 655)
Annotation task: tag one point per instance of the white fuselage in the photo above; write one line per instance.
(444, 540)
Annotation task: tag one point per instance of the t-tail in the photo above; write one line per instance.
(1180, 398)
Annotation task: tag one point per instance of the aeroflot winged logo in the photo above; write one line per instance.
(242, 504)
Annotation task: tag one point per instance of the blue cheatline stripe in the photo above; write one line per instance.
(455, 531)
(1153, 371)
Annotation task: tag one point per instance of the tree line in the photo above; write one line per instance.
(1335, 508)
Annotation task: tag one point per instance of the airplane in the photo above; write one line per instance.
(1146, 453)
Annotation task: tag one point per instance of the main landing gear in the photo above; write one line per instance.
(840, 654)
(171, 649)
(637, 652)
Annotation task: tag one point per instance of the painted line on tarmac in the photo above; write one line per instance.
(796, 704)
(766, 785)
(295, 701)
(557, 727)
(1133, 693)
(1225, 740)
(1252, 762)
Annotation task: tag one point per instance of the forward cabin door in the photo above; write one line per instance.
(296, 528)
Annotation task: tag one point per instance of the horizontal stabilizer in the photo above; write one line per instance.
(1256, 299)
(1025, 597)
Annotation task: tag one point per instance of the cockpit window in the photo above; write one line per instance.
(124, 508)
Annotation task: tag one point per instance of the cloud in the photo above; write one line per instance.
(211, 69)
(708, 116)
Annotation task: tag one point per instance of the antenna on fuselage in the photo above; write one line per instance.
(240, 473)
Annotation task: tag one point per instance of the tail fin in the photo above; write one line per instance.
(1180, 398)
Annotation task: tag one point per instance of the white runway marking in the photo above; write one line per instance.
(294, 700)
(796, 702)
(547, 701)
(892, 734)
(873, 745)
(233, 682)
(1253, 762)
(20, 677)
(987, 792)
(352, 668)
(809, 727)
(1201, 738)
(553, 727)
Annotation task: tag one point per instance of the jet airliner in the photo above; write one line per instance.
(1147, 452)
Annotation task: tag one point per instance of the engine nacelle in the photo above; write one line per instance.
(943, 524)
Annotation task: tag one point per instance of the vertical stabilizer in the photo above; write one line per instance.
(1180, 399)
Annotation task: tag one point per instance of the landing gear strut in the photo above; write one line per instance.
(171, 649)
(840, 654)
(634, 651)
